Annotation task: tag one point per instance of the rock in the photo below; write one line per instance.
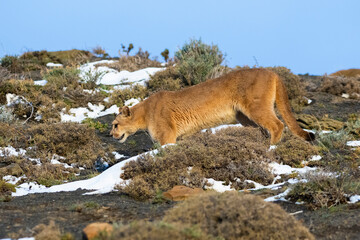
(92, 230)
(179, 193)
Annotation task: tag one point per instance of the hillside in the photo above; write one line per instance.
(58, 161)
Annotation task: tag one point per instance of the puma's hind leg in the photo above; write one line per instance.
(267, 118)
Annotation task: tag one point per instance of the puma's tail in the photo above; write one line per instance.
(282, 103)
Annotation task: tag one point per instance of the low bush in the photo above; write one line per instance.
(118, 97)
(143, 230)
(76, 142)
(232, 155)
(334, 139)
(5, 191)
(197, 61)
(169, 80)
(293, 150)
(340, 85)
(231, 215)
(324, 190)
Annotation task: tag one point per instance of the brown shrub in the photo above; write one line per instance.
(339, 85)
(231, 155)
(354, 72)
(234, 216)
(143, 230)
(169, 80)
(293, 150)
(76, 142)
(118, 97)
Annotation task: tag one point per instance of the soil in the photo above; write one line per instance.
(72, 211)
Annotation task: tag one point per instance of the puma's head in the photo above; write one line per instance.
(123, 125)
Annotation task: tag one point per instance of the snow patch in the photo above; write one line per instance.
(218, 185)
(113, 77)
(50, 64)
(353, 143)
(40, 82)
(102, 183)
(93, 111)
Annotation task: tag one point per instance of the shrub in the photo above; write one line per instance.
(334, 139)
(169, 79)
(197, 61)
(292, 150)
(324, 190)
(118, 97)
(143, 230)
(6, 115)
(5, 191)
(76, 142)
(339, 85)
(234, 216)
(232, 155)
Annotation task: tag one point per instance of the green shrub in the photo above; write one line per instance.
(197, 60)
(5, 191)
(324, 190)
(231, 215)
(334, 139)
(95, 124)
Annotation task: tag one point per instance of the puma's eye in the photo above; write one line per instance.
(115, 126)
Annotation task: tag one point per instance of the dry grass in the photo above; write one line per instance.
(234, 216)
(50, 232)
(133, 63)
(231, 155)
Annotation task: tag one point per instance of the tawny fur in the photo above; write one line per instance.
(167, 115)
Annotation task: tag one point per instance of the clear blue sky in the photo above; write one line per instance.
(307, 36)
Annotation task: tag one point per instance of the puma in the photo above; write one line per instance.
(237, 96)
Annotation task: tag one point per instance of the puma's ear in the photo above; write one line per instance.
(126, 111)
